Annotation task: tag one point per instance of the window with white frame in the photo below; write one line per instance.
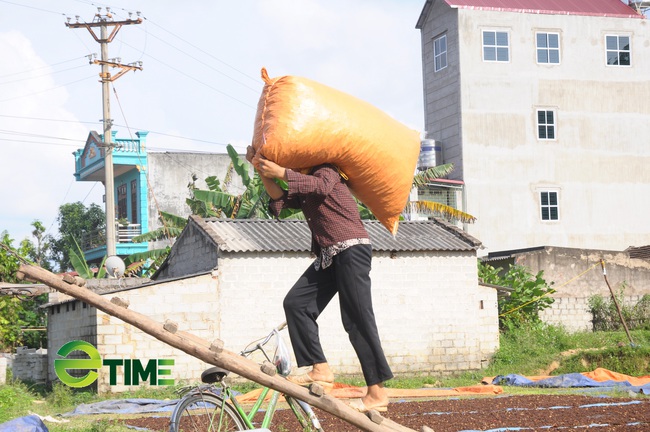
(440, 53)
(550, 209)
(548, 48)
(545, 124)
(618, 50)
(496, 46)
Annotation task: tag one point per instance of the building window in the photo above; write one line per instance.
(546, 124)
(440, 53)
(495, 46)
(121, 201)
(618, 50)
(548, 48)
(134, 201)
(549, 206)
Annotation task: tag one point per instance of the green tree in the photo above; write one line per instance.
(38, 251)
(75, 221)
(530, 293)
(217, 201)
(18, 312)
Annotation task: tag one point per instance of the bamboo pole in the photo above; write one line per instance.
(618, 308)
(213, 353)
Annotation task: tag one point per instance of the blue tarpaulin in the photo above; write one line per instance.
(566, 381)
(124, 406)
(30, 423)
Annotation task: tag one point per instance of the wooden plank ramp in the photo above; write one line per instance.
(213, 352)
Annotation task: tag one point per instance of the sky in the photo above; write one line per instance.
(199, 86)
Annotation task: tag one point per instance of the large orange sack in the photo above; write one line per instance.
(300, 124)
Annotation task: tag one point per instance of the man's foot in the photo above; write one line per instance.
(376, 398)
(320, 374)
(305, 380)
(359, 405)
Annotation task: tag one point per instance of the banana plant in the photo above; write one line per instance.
(431, 208)
(80, 265)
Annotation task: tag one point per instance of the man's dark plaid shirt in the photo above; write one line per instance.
(327, 203)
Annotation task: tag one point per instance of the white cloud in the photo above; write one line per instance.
(37, 171)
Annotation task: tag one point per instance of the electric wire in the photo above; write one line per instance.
(146, 173)
(46, 90)
(256, 90)
(40, 76)
(41, 67)
(254, 79)
(196, 79)
(198, 140)
(31, 7)
(74, 82)
(28, 134)
(48, 119)
(39, 142)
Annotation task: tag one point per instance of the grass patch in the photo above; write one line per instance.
(15, 400)
(625, 359)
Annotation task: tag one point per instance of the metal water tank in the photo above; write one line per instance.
(430, 154)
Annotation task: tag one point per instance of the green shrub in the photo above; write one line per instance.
(605, 316)
(61, 396)
(530, 294)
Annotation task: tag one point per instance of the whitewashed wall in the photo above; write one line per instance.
(433, 317)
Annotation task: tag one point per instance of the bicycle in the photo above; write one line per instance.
(212, 407)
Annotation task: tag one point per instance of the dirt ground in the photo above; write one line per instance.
(487, 413)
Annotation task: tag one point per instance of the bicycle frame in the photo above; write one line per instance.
(282, 361)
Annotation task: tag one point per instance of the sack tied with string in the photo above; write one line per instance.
(301, 123)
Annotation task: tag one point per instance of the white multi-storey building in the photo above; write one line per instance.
(543, 106)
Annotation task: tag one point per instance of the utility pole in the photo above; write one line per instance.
(104, 21)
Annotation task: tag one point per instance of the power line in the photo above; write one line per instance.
(196, 79)
(32, 7)
(39, 142)
(47, 119)
(254, 79)
(198, 140)
(46, 90)
(256, 90)
(41, 67)
(29, 134)
(42, 75)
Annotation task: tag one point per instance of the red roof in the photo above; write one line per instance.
(610, 8)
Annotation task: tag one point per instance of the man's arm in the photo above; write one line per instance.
(272, 188)
(268, 172)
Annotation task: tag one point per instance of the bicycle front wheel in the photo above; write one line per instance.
(205, 412)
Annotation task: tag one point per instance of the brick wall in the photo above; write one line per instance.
(191, 303)
(573, 313)
(68, 321)
(30, 364)
(577, 275)
(431, 313)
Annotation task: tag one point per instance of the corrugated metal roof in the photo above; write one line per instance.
(611, 8)
(252, 235)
